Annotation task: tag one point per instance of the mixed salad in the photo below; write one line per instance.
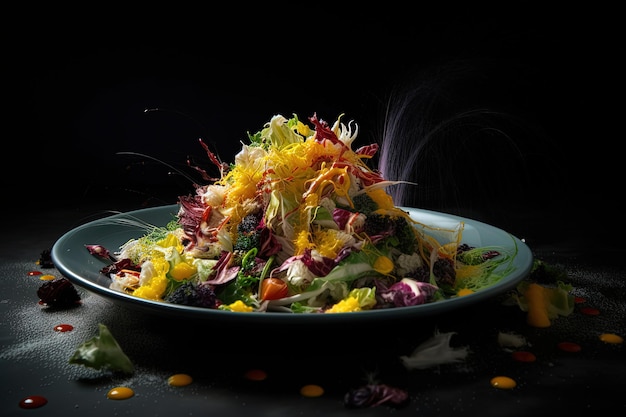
(300, 223)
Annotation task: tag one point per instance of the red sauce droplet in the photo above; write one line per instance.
(590, 311)
(579, 300)
(63, 328)
(34, 401)
(255, 375)
(33, 273)
(569, 347)
(524, 356)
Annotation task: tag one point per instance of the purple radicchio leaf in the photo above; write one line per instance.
(408, 292)
(100, 251)
(373, 395)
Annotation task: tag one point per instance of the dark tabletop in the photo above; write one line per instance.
(34, 357)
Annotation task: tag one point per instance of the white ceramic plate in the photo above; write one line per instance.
(74, 261)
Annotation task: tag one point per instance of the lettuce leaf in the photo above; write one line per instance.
(102, 352)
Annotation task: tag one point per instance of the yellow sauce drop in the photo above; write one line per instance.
(120, 393)
(255, 375)
(464, 291)
(503, 382)
(47, 277)
(611, 338)
(179, 380)
(312, 391)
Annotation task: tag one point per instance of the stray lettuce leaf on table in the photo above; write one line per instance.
(102, 352)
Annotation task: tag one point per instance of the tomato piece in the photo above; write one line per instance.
(273, 289)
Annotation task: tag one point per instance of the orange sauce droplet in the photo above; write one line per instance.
(33, 273)
(63, 328)
(503, 382)
(312, 390)
(47, 277)
(255, 375)
(179, 380)
(569, 346)
(524, 356)
(120, 393)
(611, 338)
(33, 401)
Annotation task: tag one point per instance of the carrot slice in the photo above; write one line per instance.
(537, 310)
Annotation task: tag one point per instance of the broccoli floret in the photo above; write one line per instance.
(363, 203)
(45, 259)
(401, 232)
(248, 233)
(247, 241)
(193, 294)
(445, 275)
(547, 273)
(406, 235)
(250, 222)
(378, 224)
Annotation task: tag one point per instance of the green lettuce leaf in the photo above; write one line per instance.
(102, 352)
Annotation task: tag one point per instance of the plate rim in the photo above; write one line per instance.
(162, 308)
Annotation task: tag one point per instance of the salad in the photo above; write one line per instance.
(299, 223)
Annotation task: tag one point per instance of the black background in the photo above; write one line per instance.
(80, 83)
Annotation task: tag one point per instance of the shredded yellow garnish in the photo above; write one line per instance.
(384, 200)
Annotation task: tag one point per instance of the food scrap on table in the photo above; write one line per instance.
(374, 395)
(544, 296)
(435, 351)
(45, 259)
(508, 340)
(102, 352)
(58, 293)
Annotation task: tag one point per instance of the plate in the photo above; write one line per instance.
(74, 262)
